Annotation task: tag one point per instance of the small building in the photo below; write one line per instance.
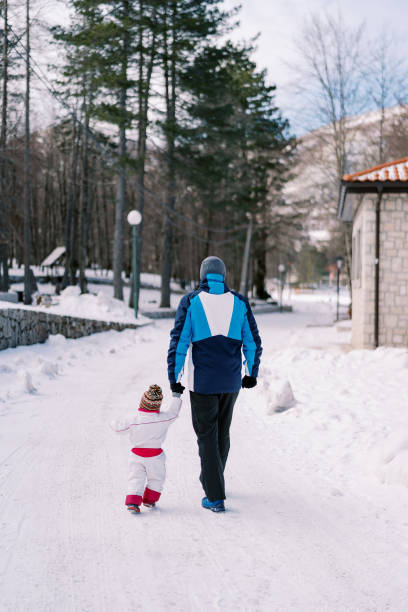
(375, 201)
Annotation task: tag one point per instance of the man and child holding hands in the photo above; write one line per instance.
(216, 324)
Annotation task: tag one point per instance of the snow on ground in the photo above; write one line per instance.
(317, 492)
(96, 305)
(99, 303)
(147, 278)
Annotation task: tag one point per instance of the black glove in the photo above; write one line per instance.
(248, 382)
(177, 387)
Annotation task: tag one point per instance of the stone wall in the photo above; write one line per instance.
(20, 326)
(393, 292)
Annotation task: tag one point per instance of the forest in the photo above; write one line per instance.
(160, 112)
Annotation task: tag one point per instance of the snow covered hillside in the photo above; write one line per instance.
(317, 479)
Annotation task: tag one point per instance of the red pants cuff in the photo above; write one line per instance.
(133, 499)
(150, 496)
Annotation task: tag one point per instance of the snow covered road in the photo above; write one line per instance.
(317, 510)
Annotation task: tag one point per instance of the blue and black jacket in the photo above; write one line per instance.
(217, 323)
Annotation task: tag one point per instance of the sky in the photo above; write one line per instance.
(279, 22)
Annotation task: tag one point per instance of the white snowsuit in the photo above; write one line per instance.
(147, 432)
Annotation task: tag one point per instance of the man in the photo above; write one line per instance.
(217, 323)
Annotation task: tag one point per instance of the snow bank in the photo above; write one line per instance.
(277, 394)
(27, 369)
(349, 406)
(23, 370)
(389, 460)
(100, 307)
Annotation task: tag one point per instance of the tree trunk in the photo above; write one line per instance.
(209, 224)
(27, 164)
(4, 231)
(120, 210)
(84, 215)
(170, 86)
(260, 265)
(106, 257)
(3, 136)
(100, 239)
(68, 279)
(118, 250)
(144, 95)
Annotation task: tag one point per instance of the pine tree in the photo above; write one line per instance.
(236, 143)
(186, 26)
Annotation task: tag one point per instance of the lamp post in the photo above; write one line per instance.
(339, 262)
(134, 219)
(282, 271)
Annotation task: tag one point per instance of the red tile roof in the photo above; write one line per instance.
(392, 171)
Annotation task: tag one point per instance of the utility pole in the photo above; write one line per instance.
(245, 262)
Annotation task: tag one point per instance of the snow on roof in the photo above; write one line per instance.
(54, 256)
(391, 171)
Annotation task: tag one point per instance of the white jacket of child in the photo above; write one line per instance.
(148, 429)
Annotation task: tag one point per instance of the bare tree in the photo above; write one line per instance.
(329, 72)
(69, 273)
(387, 84)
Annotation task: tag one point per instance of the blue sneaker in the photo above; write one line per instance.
(215, 506)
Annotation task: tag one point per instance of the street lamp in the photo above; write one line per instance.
(134, 219)
(282, 272)
(339, 262)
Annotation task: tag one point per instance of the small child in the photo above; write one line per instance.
(147, 431)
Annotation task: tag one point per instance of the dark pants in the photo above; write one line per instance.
(212, 415)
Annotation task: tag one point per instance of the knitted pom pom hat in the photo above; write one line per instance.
(151, 399)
